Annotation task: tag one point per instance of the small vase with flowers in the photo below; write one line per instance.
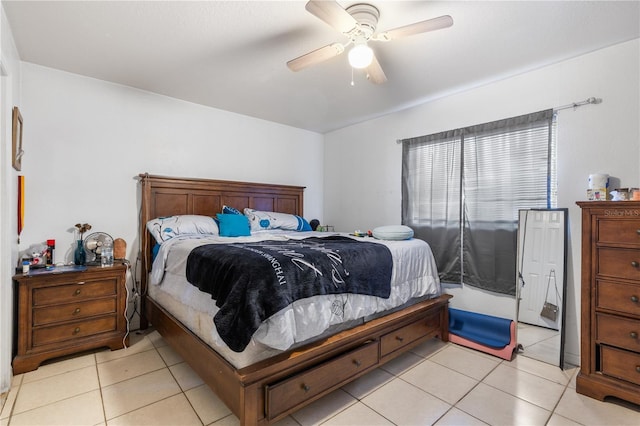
(79, 255)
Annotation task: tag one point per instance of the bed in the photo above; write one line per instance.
(262, 384)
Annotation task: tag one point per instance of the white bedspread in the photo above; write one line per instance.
(414, 275)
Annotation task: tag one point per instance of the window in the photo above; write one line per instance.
(462, 189)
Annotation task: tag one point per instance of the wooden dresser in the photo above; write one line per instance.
(610, 330)
(64, 313)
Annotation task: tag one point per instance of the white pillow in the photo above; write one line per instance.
(165, 228)
(260, 220)
(393, 232)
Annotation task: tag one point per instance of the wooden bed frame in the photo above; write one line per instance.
(269, 390)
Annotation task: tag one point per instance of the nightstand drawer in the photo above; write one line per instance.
(619, 263)
(617, 331)
(621, 297)
(76, 330)
(624, 365)
(620, 231)
(74, 292)
(71, 311)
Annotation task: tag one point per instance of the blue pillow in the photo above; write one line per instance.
(233, 225)
(229, 210)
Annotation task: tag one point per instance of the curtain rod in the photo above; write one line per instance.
(575, 105)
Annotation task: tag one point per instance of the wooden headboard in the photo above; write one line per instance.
(167, 196)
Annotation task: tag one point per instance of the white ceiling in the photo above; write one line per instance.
(232, 54)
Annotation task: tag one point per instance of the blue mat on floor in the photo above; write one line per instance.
(486, 330)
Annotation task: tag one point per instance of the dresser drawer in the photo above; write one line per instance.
(617, 331)
(621, 297)
(622, 231)
(619, 263)
(75, 330)
(74, 292)
(291, 392)
(71, 311)
(621, 364)
(407, 334)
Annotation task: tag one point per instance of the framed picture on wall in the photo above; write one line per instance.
(16, 138)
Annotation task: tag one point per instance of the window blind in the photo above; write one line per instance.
(462, 189)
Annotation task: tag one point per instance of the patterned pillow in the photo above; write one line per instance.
(165, 228)
(260, 220)
(230, 210)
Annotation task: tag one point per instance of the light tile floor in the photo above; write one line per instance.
(436, 383)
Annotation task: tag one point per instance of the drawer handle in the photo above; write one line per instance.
(77, 330)
(635, 263)
(76, 311)
(638, 368)
(305, 387)
(634, 299)
(400, 339)
(77, 292)
(357, 363)
(633, 335)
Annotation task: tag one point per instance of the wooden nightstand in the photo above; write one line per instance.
(64, 313)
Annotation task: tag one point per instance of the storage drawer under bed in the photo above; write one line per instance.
(290, 392)
(403, 336)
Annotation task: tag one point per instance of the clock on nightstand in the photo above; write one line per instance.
(62, 313)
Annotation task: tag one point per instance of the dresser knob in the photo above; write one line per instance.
(634, 299)
(633, 335)
(76, 311)
(400, 339)
(635, 264)
(357, 363)
(638, 368)
(77, 330)
(305, 387)
(77, 292)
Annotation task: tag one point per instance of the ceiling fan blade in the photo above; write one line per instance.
(375, 73)
(333, 14)
(417, 28)
(315, 57)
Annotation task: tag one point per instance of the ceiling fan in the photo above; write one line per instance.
(358, 22)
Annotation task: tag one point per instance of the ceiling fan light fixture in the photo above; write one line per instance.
(360, 56)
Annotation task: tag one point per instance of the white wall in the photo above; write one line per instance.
(86, 140)
(363, 162)
(9, 96)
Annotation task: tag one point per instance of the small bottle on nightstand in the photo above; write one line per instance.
(51, 246)
(106, 255)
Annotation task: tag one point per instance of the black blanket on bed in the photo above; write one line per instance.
(252, 281)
